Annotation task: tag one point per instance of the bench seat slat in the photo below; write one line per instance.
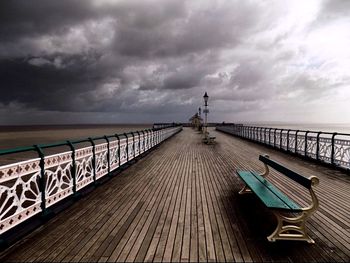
(267, 193)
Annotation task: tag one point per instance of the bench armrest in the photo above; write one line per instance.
(266, 171)
(314, 200)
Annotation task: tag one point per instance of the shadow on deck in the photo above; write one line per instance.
(181, 203)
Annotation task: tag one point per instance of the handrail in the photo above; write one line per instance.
(49, 179)
(327, 147)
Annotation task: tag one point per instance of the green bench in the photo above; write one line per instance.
(291, 218)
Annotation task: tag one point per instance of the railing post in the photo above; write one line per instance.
(74, 168)
(274, 138)
(318, 146)
(270, 136)
(296, 142)
(288, 139)
(305, 148)
(333, 148)
(42, 181)
(93, 159)
(265, 135)
(127, 147)
(108, 156)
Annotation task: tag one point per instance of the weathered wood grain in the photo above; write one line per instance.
(181, 203)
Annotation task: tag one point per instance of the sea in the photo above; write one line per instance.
(26, 135)
(316, 127)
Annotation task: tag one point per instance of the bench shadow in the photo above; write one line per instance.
(255, 223)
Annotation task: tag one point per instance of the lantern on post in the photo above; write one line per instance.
(206, 111)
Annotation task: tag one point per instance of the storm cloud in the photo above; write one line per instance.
(105, 61)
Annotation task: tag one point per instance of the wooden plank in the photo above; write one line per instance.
(180, 203)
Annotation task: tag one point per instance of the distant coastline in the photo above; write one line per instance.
(42, 127)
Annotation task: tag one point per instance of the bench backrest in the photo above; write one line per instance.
(287, 172)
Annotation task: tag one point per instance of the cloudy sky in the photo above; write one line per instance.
(108, 61)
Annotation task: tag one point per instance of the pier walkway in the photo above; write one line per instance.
(181, 203)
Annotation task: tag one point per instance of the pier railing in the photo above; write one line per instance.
(31, 187)
(326, 147)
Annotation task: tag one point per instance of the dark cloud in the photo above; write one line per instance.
(114, 58)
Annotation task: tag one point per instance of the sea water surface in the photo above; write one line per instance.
(20, 136)
(331, 127)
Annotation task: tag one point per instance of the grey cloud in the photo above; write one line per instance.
(150, 57)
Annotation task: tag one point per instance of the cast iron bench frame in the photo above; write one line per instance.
(288, 227)
(209, 139)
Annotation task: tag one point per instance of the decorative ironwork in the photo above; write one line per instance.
(284, 140)
(59, 181)
(342, 152)
(123, 153)
(300, 144)
(136, 146)
(84, 174)
(101, 160)
(19, 193)
(327, 147)
(114, 154)
(325, 151)
(311, 146)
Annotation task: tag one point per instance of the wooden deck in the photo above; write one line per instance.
(180, 203)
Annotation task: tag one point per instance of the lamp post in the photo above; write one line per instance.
(206, 111)
(199, 120)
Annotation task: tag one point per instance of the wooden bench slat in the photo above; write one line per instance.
(292, 205)
(267, 193)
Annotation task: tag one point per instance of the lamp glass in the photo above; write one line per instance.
(206, 97)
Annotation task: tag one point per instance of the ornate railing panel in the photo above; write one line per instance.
(142, 143)
(278, 138)
(20, 194)
(284, 140)
(300, 144)
(101, 160)
(325, 151)
(311, 146)
(130, 148)
(342, 152)
(137, 145)
(114, 154)
(123, 151)
(332, 148)
(58, 177)
(84, 167)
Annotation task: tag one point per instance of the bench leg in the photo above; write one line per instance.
(290, 228)
(245, 190)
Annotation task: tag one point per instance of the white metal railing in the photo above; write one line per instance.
(30, 187)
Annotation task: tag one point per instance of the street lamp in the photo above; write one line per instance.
(206, 97)
(206, 111)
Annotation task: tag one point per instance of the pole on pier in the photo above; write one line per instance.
(206, 97)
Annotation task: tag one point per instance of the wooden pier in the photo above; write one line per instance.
(181, 203)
